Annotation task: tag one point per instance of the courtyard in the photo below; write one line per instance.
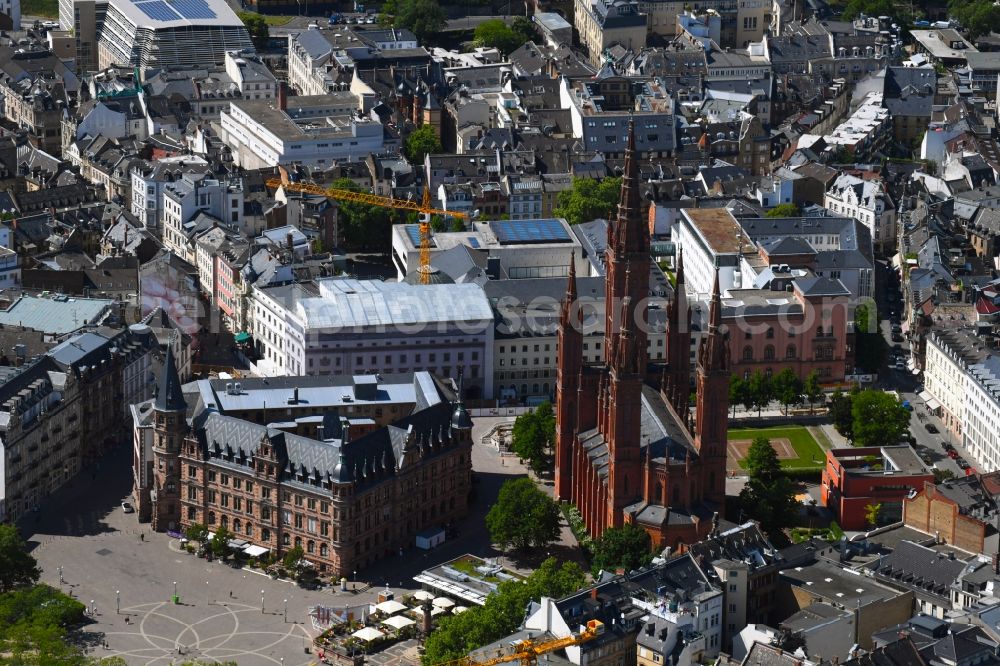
(796, 446)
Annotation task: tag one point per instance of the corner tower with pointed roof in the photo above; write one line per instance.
(569, 362)
(169, 429)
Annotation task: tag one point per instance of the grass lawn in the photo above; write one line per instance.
(810, 455)
(270, 19)
(46, 8)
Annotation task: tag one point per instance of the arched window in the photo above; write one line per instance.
(748, 353)
(323, 550)
(769, 352)
(249, 529)
(286, 540)
(265, 535)
(192, 513)
(770, 333)
(790, 351)
(225, 521)
(237, 525)
(211, 517)
(310, 546)
(298, 542)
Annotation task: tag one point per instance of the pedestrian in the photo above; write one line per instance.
(142, 536)
(230, 594)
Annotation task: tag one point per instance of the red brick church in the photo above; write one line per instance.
(627, 448)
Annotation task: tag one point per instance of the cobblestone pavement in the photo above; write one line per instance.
(82, 537)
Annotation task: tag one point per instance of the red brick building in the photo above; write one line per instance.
(856, 477)
(626, 450)
(350, 469)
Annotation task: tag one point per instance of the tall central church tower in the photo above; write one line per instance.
(624, 449)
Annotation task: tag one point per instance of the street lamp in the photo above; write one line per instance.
(262, 602)
(175, 588)
(286, 611)
(61, 580)
(118, 602)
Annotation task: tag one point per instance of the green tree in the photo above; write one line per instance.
(627, 547)
(738, 391)
(502, 614)
(784, 210)
(220, 542)
(842, 414)
(769, 495)
(497, 34)
(856, 8)
(588, 199)
(528, 441)
(872, 512)
(879, 418)
(17, 567)
(978, 17)
(762, 460)
(293, 557)
(862, 319)
(524, 28)
(942, 475)
(35, 621)
(787, 388)
(760, 390)
(812, 389)
(424, 18)
(196, 533)
(546, 421)
(363, 226)
(523, 516)
(457, 224)
(257, 26)
(422, 141)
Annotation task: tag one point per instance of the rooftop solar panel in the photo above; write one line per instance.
(193, 9)
(158, 11)
(530, 231)
(413, 231)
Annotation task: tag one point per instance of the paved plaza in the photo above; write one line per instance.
(111, 561)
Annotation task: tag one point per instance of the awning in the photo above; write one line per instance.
(242, 337)
(933, 404)
(897, 260)
(925, 396)
(422, 595)
(255, 551)
(397, 622)
(443, 602)
(368, 634)
(390, 607)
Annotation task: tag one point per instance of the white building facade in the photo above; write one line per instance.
(869, 203)
(340, 326)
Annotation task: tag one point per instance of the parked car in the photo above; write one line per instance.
(931, 428)
(127, 507)
(946, 446)
(953, 454)
(961, 463)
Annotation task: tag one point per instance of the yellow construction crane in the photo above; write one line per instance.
(527, 651)
(422, 207)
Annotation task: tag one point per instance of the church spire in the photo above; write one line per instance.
(630, 233)
(570, 300)
(714, 355)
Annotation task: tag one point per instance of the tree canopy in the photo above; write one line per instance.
(498, 34)
(523, 516)
(787, 388)
(458, 635)
(760, 391)
(17, 567)
(812, 389)
(769, 495)
(364, 226)
(627, 547)
(979, 17)
(533, 433)
(422, 141)
(257, 26)
(424, 18)
(588, 199)
(783, 210)
(879, 418)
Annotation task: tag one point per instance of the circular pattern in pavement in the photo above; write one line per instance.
(160, 633)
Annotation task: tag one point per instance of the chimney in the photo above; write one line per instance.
(282, 96)
(289, 239)
(425, 619)
(319, 432)
(593, 593)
